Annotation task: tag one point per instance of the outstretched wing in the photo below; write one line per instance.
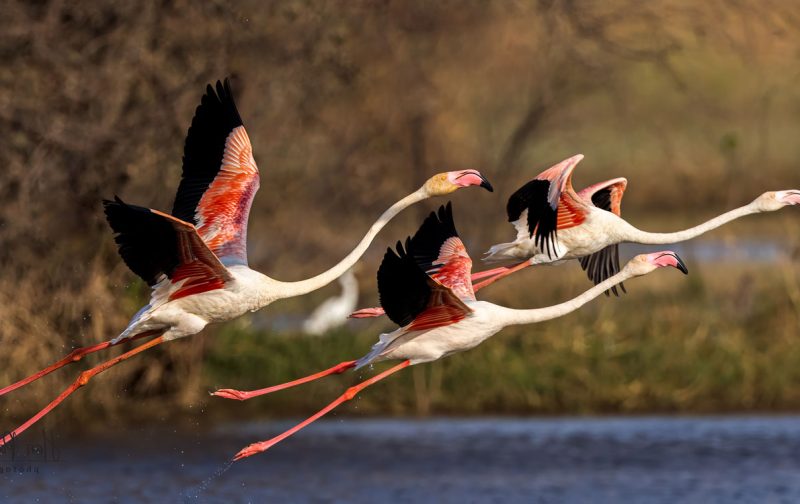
(546, 204)
(605, 263)
(439, 252)
(220, 176)
(606, 195)
(411, 298)
(156, 246)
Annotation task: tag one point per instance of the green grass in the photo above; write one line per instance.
(721, 340)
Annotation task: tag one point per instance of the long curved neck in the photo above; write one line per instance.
(291, 289)
(630, 233)
(515, 317)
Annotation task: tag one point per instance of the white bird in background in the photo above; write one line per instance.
(195, 259)
(333, 312)
(425, 288)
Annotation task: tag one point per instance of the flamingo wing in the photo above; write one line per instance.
(604, 263)
(411, 298)
(220, 176)
(546, 204)
(157, 246)
(439, 252)
(606, 195)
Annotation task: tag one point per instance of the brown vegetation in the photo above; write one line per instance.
(349, 106)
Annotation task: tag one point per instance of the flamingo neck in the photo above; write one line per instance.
(511, 316)
(630, 233)
(291, 289)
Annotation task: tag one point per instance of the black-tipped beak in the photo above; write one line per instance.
(486, 185)
(681, 265)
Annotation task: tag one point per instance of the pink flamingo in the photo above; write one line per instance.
(426, 289)
(554, 223)
(195, 259)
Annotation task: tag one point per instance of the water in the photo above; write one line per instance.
(709, 250)
(650, 459)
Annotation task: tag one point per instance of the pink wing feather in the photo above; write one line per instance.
(225, 206)
(546, 204)
(439, 252)
(220, 177)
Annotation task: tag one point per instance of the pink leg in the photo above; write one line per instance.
(241, 395)
(73, 356)
(508, 271)
(349, 394)
(488, 273)
(82, 380)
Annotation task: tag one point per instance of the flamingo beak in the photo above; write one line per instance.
(668, 258)
(681, 265)
(486, 185)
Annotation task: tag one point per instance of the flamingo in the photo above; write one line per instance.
(554, 224)
(426, 289)
(333, 312)
(195, 259)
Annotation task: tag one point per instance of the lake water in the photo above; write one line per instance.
(648, 459)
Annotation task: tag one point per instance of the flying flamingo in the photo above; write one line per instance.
(555, 223)
(195, 259)
(426, 289)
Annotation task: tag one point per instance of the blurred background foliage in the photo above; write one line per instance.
(351, 105)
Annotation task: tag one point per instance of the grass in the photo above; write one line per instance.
(721, 340)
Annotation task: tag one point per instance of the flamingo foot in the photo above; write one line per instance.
(350, 393)
(367, 313)
(253, 449)
(227, 393)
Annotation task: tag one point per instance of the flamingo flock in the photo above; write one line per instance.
(195, 260)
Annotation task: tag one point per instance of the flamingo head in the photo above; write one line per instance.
(775, 200)
(645, 263)
(447, 182)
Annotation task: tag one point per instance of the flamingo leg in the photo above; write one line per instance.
(349, 394)
(242, 395)
(82, 380)
(488, 273)
(508, 271)
(73, 356)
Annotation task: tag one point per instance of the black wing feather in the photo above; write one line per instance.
(427, 242)
(604, 263)
(213, 121)
(148, 243)
(542, 218)
(602, 199)
(403, 287)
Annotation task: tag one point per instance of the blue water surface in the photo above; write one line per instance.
(646, 459)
